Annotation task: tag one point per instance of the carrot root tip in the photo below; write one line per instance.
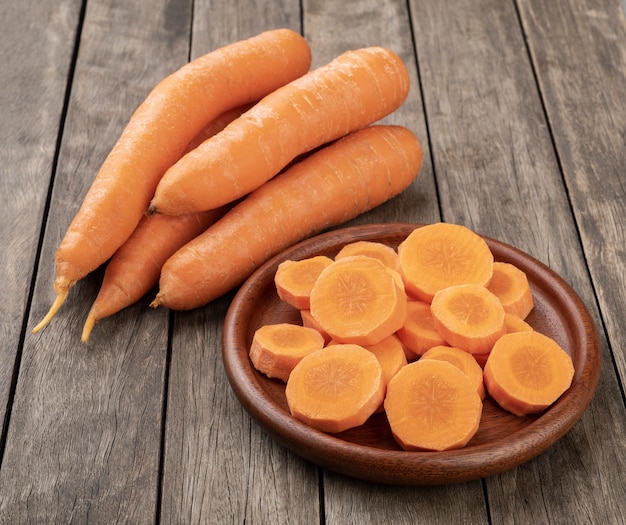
(87, 328)
(56, 305)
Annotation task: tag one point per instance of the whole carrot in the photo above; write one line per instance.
(136, 265)
(352, 91)
(174, 112)
(333, 185)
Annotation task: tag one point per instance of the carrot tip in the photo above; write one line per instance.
(56, 305)
(87, 328)
(156, 302)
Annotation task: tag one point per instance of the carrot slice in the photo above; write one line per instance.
(468, 316)
(309, 321)
(463, 360)
(386, 254)
(439, 255)
(418, 333)
(511, 286)
(527, 371)
(357, 300)
(277, 348)
(336, 388)
(294, 279)
(514, 323)
(390, 355)
(432, 405)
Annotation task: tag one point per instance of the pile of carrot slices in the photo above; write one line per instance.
(228, 161)
(423, 333)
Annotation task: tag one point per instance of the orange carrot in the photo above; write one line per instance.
(386, 254)
(135, 267)
(333, 185)
(352, 91)
(440, 255)
(294, 279)
(463, 360)
(468, 316)
(432, 405)
(277, 348)
(513, 323)
(356, 300)
(418, 333)
(336, 388)
(390, 355)
(310, 322)
(158, 132)
(511, 286)
(526, 372)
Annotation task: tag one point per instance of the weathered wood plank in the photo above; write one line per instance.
(36, 46)
(584, 86)
(85, 429)
(219, 466)
(499, 174)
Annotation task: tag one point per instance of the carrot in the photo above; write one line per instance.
(418, 333)
(391, 357)
(135, 267)
(310, 322)
(355, 89)
(513, 323)
(277, 348)
(468, 316)
(333, 185)
(158, 132)
(294, 279)
(511, 286)
(356, 300)
(463, 360)
(440, 255)
(526, 372)
(336, 388)
(386, 254)
(432, 405)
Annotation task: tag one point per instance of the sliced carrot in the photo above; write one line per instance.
(439, 255)
(277, 348)
(526, 372)
(514, 323)
(418, 333)
(386, 254)
(158, 132)
(357, 300)
(309, 321)
(136, 265)
(336, 388)
(481, 359)
(294, 279)
(511, 286)
(463, 360)
(432, 405)
(390, 355)
(331, 186)
(468, 316)
(354, 90)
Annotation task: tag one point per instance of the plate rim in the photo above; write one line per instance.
(396, 466)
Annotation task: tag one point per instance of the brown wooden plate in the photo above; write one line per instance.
(369, 452)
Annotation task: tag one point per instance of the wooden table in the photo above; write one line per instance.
(521, 108)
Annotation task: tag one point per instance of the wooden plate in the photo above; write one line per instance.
(369, 452)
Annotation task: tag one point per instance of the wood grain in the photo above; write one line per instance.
(85, 429)
(36, 47)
